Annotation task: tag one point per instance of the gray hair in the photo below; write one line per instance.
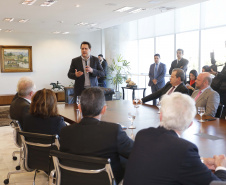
(92, 102)
(180, 73)
(178, 110)
(24, 86)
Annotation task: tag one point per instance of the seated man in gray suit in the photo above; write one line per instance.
(161, 157)
(205, 96)
(93, 137)
(21, 102)
(174, 85)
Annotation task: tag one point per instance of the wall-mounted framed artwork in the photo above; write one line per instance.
(16, 59)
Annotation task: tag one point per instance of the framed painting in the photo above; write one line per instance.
(16, 59)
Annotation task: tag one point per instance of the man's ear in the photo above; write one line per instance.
(79, 107)
(160, 116)
(103, 110)
(190, 124)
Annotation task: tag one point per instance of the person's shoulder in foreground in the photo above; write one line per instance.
(164, 158)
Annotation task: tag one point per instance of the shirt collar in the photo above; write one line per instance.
(27, 100)
(204, 89)
(85, 59)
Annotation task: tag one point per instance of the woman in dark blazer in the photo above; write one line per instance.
(43, 117)
(191, 83)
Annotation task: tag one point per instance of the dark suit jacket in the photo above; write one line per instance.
(105, 67)
(160, 157)
(19, 108)
(160, 75)
(76, 63)
(183, 62)
(92, 137)
(51, 125)
(180, 88)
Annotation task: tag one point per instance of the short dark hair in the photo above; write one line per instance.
(100, 55)
(180, 50)
(157, 55)
(85, 42)
(44, 104)
(92, 102)
(206, 68)
(180, 73)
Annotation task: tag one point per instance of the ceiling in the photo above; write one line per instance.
(64, 15)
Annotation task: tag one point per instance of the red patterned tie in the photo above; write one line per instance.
(171, 90)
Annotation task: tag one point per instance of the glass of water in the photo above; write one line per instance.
(136, 100)
(78, 99)
(131, 117)
(201, 111)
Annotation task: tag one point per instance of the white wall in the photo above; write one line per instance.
(51, 57)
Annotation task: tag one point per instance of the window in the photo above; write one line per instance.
(189, 42)
(165, 47)
(213, 40)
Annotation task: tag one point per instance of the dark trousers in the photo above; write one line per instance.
(102, 83)
(154, 88)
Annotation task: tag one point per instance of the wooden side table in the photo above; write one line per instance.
(133, 93)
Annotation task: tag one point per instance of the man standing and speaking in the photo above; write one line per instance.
(85, 69)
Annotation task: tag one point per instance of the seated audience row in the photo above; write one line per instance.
(160, 156)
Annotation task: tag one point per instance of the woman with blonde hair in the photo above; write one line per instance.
(43, 117)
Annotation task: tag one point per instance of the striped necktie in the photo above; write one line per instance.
(171, 90)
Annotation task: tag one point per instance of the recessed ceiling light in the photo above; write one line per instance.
(124, 9)
(23, 20)
(8, 19)
(48, 3)
(66, 32)
(82, 24)
(110, 4)
(56, 32)
(137, 10)
(0, 29)
(28, 2)
(92, 24)
(77, 5)
(154, 1)
(8, 31)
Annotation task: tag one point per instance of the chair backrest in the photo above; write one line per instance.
(36, 150)
(16, 137)
(76, 169)
(219, 111)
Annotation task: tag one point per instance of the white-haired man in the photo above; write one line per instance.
(205, 96)
(21, 102)
(160, 156)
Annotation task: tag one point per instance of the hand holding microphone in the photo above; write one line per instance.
(88, 68)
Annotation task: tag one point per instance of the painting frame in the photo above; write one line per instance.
(16, 59)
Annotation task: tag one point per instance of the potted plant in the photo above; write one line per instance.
(117, 73)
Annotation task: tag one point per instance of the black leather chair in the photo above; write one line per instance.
(35, 155)
(69, 94)
(219, 111)
(17, 141)
(76, 169)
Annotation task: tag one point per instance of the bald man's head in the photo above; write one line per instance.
(203, 80)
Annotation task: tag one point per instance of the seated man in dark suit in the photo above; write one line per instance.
(92, 137)
(22, 100)
(174, 85)
(161, 157)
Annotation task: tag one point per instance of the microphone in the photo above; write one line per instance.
(86, 64)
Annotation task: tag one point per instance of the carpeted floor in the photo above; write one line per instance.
(4, 113)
